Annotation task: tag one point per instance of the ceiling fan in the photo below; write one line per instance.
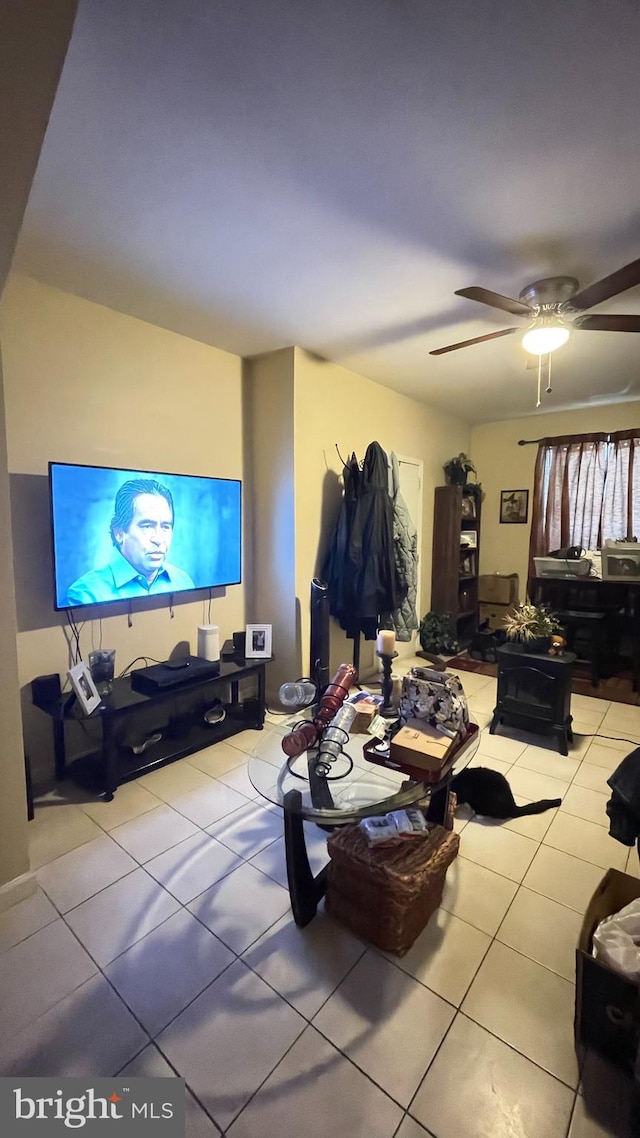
(552, 306)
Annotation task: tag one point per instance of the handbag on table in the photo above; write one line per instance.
(435, 698)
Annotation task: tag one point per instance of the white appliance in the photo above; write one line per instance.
(209, 642)
(562, 566)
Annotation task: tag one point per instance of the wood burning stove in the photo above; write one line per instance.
(534, 693)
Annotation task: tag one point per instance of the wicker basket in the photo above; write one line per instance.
(386, 894)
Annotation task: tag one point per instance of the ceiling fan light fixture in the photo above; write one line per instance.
(544, 335)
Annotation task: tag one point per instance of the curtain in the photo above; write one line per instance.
(586, 491)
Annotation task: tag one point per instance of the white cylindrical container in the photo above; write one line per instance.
(209, 642)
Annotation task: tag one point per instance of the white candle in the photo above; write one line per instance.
(386, 642)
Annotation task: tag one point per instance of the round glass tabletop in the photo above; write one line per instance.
(353, 788)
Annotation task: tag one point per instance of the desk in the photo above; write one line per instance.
(620, 599)
(586, 593)
(348, 794)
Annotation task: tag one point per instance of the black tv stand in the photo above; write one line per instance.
(127, 721)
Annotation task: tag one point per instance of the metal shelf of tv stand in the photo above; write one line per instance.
(122, 766)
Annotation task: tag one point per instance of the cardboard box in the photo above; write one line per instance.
(494, 614)
(607, 1013)
(421, 745)
(367, 710)
(498, 589)
(377, 752)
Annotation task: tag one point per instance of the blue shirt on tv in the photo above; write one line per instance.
(119, 581)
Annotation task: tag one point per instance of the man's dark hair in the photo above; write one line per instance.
(128, 492)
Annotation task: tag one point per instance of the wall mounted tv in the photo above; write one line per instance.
(123, 534)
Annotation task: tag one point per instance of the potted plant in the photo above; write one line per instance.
(437, 634)
(458, 469)
(532, 626)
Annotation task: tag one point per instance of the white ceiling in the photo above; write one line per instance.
(261, 173)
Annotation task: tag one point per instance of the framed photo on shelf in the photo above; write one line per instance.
(468, 510)
(467, 566)
(258, 641)
(84, 688)
(468, 539)
(514, 507)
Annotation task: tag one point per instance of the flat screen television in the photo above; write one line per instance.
(124, 534)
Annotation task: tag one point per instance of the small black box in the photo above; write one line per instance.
(164, 677)
(46, 691)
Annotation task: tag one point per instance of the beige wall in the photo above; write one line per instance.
(269, 507)
(503, 465)
(32, 49)
(86, 384)
(336, 406)
(14, 861)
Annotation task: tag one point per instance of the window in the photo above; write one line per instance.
(586, 491)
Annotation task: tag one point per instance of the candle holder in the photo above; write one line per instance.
(387, 711)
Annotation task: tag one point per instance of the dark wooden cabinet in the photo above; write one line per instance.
(132, 733)
(455, 557)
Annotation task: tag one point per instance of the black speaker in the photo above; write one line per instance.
(46, 691)
(319, 654)
(228, 650)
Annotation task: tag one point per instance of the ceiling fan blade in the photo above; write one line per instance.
(475, 340)
(608, 322)
(609, 286)
(496, 300)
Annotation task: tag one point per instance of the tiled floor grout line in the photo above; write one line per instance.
(583, 757)
(310, 1023)
(457, 1008)
(151, 1038)
(248, 860)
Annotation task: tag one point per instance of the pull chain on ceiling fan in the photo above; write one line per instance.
(553, 306)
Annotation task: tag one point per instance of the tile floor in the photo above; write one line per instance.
(160, 941)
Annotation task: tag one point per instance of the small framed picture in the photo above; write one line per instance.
(258, 641)
(468, 509)
(467, 566)
(84, 687)
(514, 507)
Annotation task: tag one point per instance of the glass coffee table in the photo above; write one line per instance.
(353, 788)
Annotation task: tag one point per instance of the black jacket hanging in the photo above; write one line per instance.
(360, 569)
(623, 808)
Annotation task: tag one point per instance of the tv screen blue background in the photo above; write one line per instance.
(206, 533)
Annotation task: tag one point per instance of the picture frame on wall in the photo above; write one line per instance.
(84, 688)
(258, 641)
(514, 507)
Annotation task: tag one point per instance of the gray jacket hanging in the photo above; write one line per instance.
(405, 546)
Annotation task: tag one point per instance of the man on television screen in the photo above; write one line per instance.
(141, 531)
